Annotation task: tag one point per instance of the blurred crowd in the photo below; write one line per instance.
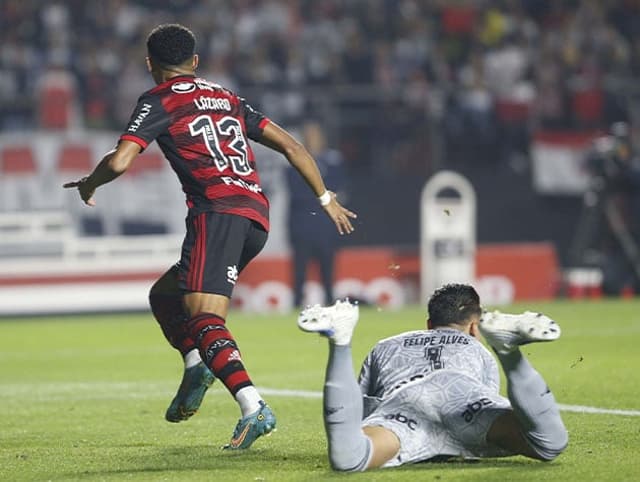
(472, 66)
(401, 88)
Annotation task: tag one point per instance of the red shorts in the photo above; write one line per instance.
(216, 248)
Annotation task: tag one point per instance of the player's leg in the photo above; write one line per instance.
(218, 348)
(301, 258)
(534, 428)
(326, 261)
(165, 299)
(208, 280)
(350, 447)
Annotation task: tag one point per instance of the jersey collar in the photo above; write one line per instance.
(171, 81)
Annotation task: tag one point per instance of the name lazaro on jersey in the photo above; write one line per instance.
(203, 131)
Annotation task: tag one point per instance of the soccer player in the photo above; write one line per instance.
(204, 131)
(433, 394)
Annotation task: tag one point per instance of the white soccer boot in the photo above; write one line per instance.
(505, 332)
(336, 322)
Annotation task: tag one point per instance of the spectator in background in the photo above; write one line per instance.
(312, 238)
(572, 61)
(58, 108)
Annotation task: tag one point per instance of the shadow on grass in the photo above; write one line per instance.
(269, 463)
(225, 464)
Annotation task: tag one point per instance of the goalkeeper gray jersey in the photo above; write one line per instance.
(396, 361)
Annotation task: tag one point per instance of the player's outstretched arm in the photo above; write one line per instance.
(280, 140)
(113, 164)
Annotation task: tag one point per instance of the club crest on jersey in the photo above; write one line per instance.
(183, 87)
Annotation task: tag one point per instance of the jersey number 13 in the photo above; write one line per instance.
(236, 148)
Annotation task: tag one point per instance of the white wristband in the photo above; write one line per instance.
(325, 199)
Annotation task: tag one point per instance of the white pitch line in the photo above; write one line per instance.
(279, 392)
(607, 411)
(563, 407)
(136, 390)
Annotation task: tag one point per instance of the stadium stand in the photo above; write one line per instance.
(19, 181)
(404, 88)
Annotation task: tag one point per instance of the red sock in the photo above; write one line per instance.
(219, 351)
(170, 315)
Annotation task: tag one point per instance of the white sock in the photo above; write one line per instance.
(249, 400)
(192, 358)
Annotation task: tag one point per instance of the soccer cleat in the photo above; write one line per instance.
(336, 322)
(249, 428)
(505, 332)
(195, 382)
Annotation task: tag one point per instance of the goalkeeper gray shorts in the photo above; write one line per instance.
(446, 414)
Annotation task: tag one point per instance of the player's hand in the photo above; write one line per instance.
(85, 189)
(340, 215)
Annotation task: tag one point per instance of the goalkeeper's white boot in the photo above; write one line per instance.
(505, 332)
(336, 322)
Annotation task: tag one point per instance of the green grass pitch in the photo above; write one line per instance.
(83, 398)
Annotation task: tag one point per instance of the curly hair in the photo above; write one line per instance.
(171, 44)
(453, 304)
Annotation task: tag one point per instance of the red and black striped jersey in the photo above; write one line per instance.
(203, 131)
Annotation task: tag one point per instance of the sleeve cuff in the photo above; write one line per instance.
(141, 142)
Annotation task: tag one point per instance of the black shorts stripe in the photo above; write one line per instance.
(202, 254)
(198, 254)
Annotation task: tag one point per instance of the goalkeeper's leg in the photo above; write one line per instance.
(534, 428)
(351, 449)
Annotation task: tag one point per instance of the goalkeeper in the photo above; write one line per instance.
(429, 395)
